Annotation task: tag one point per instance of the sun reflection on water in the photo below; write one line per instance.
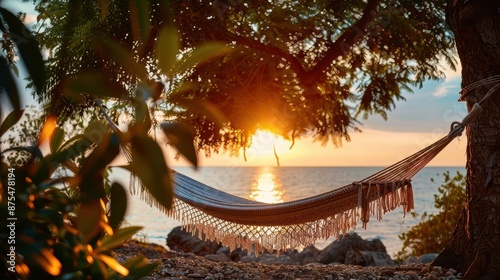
(266, 188)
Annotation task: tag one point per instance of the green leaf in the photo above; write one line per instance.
(56, 139)
(89, 218)
(139, 17)
(201, 54)
(95, 84)
(29, 50)
(149, 165)
(110, 49)
(11, 119)
(118, 205)
(34, 150)
(104, 5)
(73, 276)
(142, 114)
(167, 49)
(74, 140)
(157, 89)
(71, 149)
(91, 173)
(8, 84)
(138, 267)
(181, 136)
(118, 238)
(102, 155)
(204, 108)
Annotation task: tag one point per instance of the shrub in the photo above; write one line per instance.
(63, 215)
(433, 231)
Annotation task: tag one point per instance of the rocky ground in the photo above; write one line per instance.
(182, 265)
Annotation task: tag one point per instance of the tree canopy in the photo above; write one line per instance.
(296, 68)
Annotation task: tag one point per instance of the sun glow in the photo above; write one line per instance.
(266, 188)
(267, 145)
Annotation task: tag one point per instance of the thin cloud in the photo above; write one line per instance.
(451, 83)
(447, 87)
(29, 19)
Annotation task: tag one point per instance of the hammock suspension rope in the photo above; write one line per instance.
(255, 226)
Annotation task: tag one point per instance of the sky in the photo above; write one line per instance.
(423, 118)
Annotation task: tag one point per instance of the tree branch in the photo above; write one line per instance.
(350, 37)
(343, 43)
(255, 44)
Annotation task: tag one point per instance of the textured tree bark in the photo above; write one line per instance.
(474, 247)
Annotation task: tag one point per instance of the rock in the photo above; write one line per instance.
(224, 250)
(218, 258)
(337, 251)
(368, 258)
(181, 241)
(249, 258)
(237, 254)
(410, 260)
(350, 249)
(308, 255)
(427, 258)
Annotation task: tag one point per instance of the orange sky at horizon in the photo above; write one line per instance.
(420, 120)
(369, 148)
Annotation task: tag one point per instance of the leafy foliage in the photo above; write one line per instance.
(67, 213)
(297, 67)
(434, 230)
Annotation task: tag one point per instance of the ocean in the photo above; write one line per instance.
(278, 184)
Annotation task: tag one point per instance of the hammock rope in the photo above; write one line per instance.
(255, 226)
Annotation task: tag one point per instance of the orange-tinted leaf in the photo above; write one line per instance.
(23, 270)
(48, 262)
(113, 264)
(48, 129)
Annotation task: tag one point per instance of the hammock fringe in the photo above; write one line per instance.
(255, 226)
(377, 198)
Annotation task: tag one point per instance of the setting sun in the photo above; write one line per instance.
(265, 144)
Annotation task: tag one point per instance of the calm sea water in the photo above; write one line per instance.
(276, 184)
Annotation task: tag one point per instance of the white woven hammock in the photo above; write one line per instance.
(252, 225)
(239, 222)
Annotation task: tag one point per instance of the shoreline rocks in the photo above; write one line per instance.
(349, 250)
(176, 265)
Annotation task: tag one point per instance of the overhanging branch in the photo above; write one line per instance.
(349, 38)
(343, 43)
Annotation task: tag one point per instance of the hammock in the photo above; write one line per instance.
(255, 226)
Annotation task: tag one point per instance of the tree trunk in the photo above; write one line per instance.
(474, 247)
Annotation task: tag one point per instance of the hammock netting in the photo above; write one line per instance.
(255, 226)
